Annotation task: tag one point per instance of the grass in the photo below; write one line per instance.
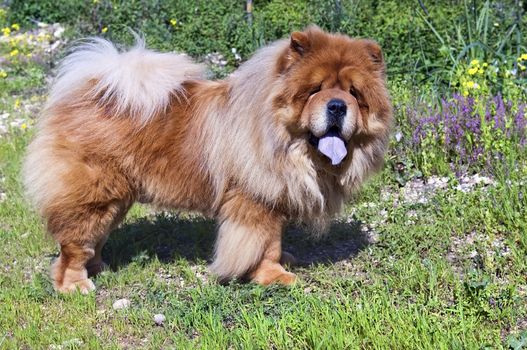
(448, 272)
(400, 290)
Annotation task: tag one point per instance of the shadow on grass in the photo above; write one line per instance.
(171, 237)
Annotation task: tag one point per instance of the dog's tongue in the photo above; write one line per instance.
(332, 147)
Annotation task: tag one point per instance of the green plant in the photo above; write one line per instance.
(487, 32)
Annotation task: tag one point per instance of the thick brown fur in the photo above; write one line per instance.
(236, 149)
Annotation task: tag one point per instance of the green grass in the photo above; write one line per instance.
(446, 274)
(401, 291)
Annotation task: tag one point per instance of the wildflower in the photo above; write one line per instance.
(485, 65)
(480, 71)
(474, 62)
(14, 53)
(472, 70)
(104, 30)
(523, 57)
(522, 67)
(15, 26)
(6, 31)
(41, 37)
(173, 22)
(17, 103)
(58, 32)
(23, 126)
(3, 74)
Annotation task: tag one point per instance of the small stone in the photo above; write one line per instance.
(159, 319)
(121, 304)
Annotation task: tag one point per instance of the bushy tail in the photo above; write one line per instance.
(138, 82)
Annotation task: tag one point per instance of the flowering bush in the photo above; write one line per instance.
(481, 78)
(464, 133)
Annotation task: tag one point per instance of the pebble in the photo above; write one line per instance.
(121, 304)
(159, 319)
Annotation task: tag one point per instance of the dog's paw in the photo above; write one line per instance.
(84, 286)
(71, 280)
(286, 278)
(271, 272)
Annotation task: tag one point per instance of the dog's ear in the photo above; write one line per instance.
(375, 53)
(299, 46)
(299, 43)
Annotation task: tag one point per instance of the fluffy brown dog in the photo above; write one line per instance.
(287, 137)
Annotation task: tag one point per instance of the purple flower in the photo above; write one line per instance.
(455, 128)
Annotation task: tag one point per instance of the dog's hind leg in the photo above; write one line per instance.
(249, 242)
(85, 202)
(96, 264)
(81, 232)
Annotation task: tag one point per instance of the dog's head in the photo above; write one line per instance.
(334, 94)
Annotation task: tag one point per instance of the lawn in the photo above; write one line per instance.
(432, 252)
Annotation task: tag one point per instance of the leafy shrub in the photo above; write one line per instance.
(419, 42)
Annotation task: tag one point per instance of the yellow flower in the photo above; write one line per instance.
(104, 30)
(472, 70)
(523, 57)
(173, 22)
(15, 26)
(522, 67)
(23, 126)
(474, 62)
(470, 84)
(465, 93)
(17, 103)
(3, 74)
(6, 31)
(480, 71)
(13, 53)
(485, 65)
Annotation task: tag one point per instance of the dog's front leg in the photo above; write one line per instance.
(249, 242)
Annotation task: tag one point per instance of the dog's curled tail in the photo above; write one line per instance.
(138, 82)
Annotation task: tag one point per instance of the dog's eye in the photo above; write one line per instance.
(315, 90)
(353, 92)
(360, 98)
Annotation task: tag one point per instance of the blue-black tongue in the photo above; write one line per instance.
(332, 147)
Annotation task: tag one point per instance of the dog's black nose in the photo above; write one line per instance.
(336, 110)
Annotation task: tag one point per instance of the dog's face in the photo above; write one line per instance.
(335, 93)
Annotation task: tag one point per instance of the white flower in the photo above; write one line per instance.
(58, 32)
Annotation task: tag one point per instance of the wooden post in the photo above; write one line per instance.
(249, 11)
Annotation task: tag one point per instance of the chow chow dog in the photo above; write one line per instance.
(286, 138)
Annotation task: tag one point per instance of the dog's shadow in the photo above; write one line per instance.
(171, 237)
